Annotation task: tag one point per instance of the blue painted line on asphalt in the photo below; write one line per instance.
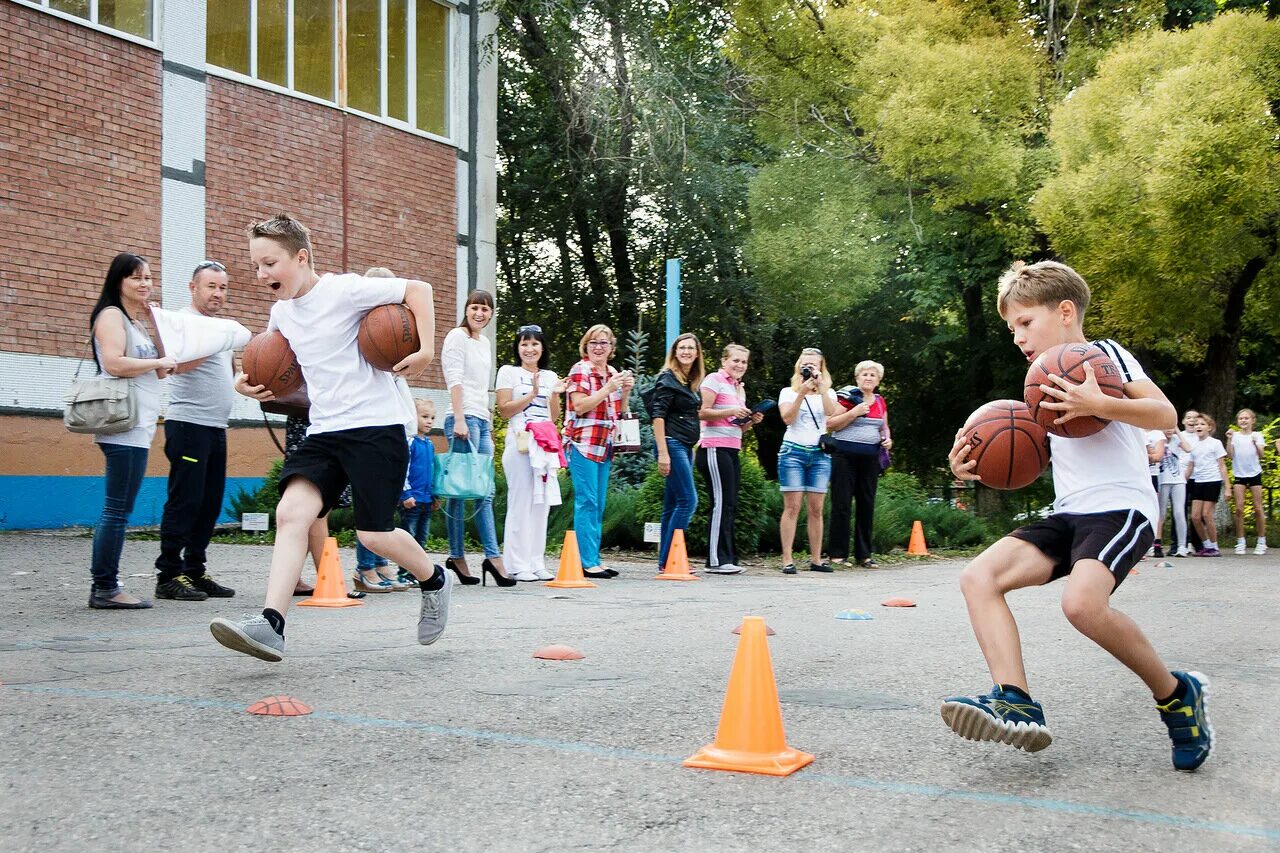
(95, 638)
(862, 783)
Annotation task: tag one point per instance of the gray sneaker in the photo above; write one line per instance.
(252, 635)
(725, 569)
(435, 612)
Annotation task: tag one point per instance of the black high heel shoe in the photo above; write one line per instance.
(488, 568)
(463, 578)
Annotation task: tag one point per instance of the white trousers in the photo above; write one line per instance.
(524, 535)
(1175, 494)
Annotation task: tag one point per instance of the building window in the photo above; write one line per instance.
(134, 17)
(395, 53)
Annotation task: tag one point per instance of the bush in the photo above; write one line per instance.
(264, 499)
(754, 518)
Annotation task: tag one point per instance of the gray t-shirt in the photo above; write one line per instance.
(205, 395)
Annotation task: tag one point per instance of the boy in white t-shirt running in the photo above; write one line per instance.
(357, 432)
(1100, 527)
(1246, 449)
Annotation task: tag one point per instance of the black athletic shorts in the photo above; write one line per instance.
(1209, 491)
(1117, 539)
(1255, 480)
(372, 459)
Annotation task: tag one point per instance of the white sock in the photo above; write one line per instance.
(1239, 540)
(1262, 540)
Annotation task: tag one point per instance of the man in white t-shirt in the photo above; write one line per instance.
(1101, 524)
(357, 433)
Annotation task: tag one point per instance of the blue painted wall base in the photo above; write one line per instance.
(42, 503)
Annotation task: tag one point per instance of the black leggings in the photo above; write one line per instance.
(854, 477)
(721, 468)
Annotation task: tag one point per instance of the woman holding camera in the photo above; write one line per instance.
(598, 395)
(725, 417)
(861, 438)
(804, 469)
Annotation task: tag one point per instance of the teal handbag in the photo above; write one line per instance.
(462, 476)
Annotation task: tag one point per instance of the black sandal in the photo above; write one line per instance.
(789, 569)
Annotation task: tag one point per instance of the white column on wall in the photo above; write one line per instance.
(182, 194)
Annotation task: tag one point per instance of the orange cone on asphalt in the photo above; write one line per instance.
(917, 547)
(570, 574)
(677, 567)
(750, 738)
(331, 589)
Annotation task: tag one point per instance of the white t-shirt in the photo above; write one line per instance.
(811, 420)
(468, 362)
(345, 390)
(1154, 437)
(1204, 460)
(1246, 454)
(520, 381)
(1174, 462)
(1189, 441)
(1108, 470)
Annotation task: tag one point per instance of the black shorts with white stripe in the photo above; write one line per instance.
(1117, 539)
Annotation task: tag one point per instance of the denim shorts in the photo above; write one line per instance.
(803, 469)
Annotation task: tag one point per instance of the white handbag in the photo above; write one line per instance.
(626, 434)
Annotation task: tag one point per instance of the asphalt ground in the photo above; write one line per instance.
(128, 730)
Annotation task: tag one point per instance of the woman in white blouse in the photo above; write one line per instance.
(527, 394)
(467, 363)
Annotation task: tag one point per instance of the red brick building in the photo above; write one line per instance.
(164, 127)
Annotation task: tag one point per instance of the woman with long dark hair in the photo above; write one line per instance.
(674, 410)
(123, 348)
(467, 363)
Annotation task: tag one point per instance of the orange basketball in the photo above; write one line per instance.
(1011, 449)
(388, 335)
(269, 360)
(1067, 361)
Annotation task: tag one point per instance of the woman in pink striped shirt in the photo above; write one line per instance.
(725, 417)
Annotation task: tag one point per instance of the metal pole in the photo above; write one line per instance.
(673, 300)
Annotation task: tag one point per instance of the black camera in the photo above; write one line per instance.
(806, 372)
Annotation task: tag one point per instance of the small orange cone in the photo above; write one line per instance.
(917, 548)
(331, 589)
(570, 574)
(677, 567)
(750, 738)
(279, 706)
(558, 653)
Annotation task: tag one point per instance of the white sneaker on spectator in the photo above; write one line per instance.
(544, 575)
(1184, 551)
(1261, 547)
(724, 569)
(527, 577)
(1240, 546)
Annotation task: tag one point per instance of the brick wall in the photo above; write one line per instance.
(79, 172)
(268, 153)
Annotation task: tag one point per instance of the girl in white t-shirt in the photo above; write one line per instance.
(1245, 449)
(1208, 469)
(1173, 491)
(527, 393)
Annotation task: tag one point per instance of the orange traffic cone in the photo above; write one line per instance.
(917, 547)
(331, 589)
(570, 574)
(677, 567)
(750, 737)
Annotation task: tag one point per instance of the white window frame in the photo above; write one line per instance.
(339, 56)
(92, 21)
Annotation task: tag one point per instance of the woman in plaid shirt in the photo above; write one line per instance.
(597, 397)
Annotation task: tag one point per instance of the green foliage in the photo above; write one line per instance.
(264, 498)
(1169, 182)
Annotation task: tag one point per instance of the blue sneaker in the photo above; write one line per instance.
(1188, 723)
(1000, 716)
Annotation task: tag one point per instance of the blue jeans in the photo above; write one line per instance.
(679, 497)
(417, 522)
(480, 432)
(590, 489)
(366, 560)
(126, 466)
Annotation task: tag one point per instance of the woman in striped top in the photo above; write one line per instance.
(725, 417)
(860, 433)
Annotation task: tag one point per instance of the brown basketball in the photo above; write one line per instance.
(1011, 449)
(269, 360)
(1067, 361)
(388, 335)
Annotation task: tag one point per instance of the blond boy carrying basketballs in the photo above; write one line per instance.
(357, 427)
(1103, 515)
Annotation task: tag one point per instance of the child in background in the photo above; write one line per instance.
(1189, 439)
(1155, 457)
(1173, 492)
(1209, 471)
(1245, 449)
(416, 502)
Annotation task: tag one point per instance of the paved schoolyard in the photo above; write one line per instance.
(125, 730)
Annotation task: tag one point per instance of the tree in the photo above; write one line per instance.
(1167, 194)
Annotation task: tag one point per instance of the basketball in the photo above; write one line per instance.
(388, 335)
(269, 360)
(1067, 361)
(1011, 449)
